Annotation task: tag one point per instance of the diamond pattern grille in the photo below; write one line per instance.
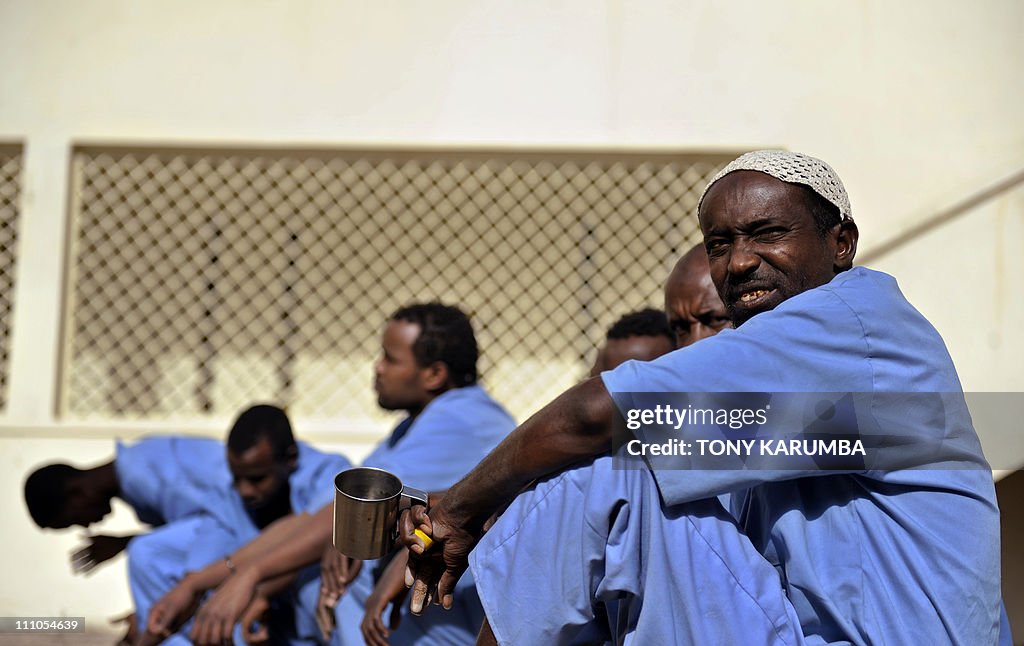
(10, 185)
(202, 280)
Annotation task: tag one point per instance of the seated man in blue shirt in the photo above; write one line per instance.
(641, 335)
(427, 368)
(692, 305)
(805, 555)
(693, 311)
(269, 476)
(162, 479)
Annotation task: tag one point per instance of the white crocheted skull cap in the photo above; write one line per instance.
(795, 168)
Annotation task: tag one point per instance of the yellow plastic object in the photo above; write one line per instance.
(427, 541)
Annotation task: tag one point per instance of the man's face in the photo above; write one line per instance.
(82, 509)
(692, 304)
(260, 480)
(618, 351)
(398, 379)
(762, 243)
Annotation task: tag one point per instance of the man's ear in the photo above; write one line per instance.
(435, 376)
(846, 245)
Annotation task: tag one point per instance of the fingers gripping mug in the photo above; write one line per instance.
(367, 503)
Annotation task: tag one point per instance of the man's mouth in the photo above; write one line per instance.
(753, 295)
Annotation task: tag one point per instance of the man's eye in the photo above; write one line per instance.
(719, 322)
(715, 247)
(770, 234)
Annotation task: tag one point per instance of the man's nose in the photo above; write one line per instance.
(742, 259)
(245, 489)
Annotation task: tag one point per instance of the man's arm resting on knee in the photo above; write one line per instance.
(276, 533)
(300, 546)
(178, 605)
(304, 546)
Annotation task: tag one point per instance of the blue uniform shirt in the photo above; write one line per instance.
(881, 555)
(452, 434)
(311, 487)
(168, 478)
(432, 452)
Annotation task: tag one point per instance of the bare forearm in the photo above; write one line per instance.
(275, 534)
(217, 572)
(577, 426)
(303, 547)
(208, 578)
(278, 584)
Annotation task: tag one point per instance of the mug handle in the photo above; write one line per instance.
(413, 496)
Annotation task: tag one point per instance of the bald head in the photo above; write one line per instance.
(692, 304)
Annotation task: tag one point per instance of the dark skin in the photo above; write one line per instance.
(642, 348)
(692, 304)
(131, 628)
(575, 427)
(486, 636)
(762, 248)
(88, 502)
(389, 590)
(337, 571)
(261, 480)
(88, 497)
(97, 549)
(694, 312)
(400, 381)
(293, 543)
(178, 605)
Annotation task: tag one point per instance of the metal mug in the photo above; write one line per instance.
(367, 502)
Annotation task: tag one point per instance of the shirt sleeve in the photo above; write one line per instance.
(141, 477)
(314, 479)
(782, 351)
(447, 440)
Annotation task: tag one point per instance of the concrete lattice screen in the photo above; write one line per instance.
(10, 185)
(200, 280)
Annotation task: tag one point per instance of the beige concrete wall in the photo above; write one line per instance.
(917, 104)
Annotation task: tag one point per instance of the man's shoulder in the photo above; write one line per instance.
(847, 294)
(168, 447)
(310, 456)
(310, 481)
(856, 303)
(468, 407)
(818, 339)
